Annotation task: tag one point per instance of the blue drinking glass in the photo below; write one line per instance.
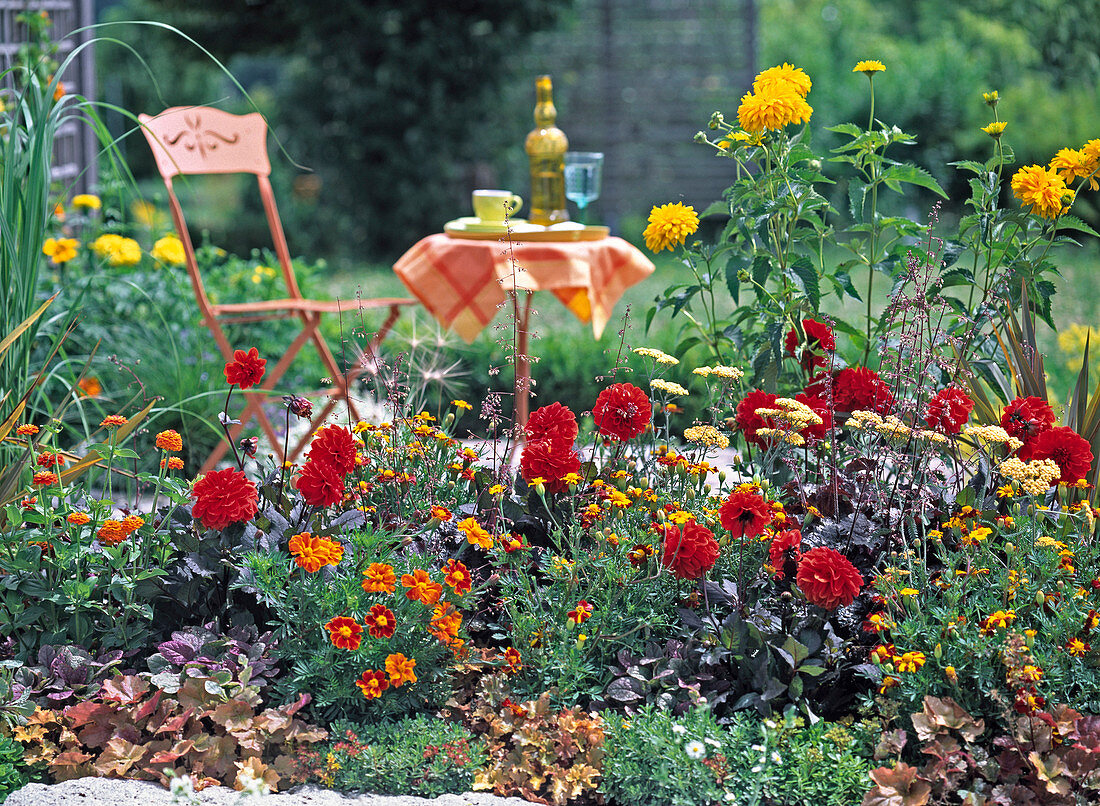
(583, 173)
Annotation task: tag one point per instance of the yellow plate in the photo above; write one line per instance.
(527, 233)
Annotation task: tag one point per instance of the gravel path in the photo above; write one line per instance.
(116, 792)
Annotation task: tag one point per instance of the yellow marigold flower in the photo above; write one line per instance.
(976, 535)
(909, 591)
(1077, 647)
(117, 251)
(496, 489)
(680, 517)
(668, 387)
(60, 250)
(400, 669)
(669, 226)
(1005, 491)
(170, 440)
(1073, 163)
(772, 112)
(869, 67)
(995, 129)
(169, 249)
(784, 78)
(461, 404)
(909, 661)
(86, 201)
(1041, 189)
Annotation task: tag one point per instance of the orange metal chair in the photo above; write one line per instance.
(201, 140)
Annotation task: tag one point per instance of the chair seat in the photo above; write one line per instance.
(309, 305)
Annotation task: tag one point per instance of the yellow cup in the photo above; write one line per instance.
(493, 206)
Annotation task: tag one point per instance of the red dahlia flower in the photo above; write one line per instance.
(827, 578)
(745, 512)
(819, 340)
(622, 411)
(821, 408)
(690, 551)
(1026, 417)
(1066, 447)
(321, 484)
(551, 460)
(746, 418)
(223, 497)
(785, 546)
(554, 422)
(948, 410)
(334, 446)
(246, 369)
(854, 389)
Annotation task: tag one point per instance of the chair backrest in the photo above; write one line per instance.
(188, 140)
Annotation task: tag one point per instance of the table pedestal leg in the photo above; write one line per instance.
(523, 363)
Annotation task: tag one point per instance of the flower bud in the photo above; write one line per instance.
(1040, 598)
(938, 652)
(951, 674)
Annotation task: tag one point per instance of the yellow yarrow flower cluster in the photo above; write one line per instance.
(117, 251)
(669, 226)
(790, 437)
(668, 387)
(721, 371)
(791, 412)
(659, 356)
(1035, 477)
(169, 249)
(706, 435)
(992, 433)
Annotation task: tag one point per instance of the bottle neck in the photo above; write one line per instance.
(545, 113)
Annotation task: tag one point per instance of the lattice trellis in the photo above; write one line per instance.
(75, 146)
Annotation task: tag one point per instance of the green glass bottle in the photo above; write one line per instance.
(546, 146)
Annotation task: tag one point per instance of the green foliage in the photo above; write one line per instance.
(422, 756)
(13, 772)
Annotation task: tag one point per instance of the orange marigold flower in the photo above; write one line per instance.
(344, 633)
(400, 669)
(909, 661)
(1077, 647)
(111, 533)
(170, 440)
(445, 622)
(44, 478)
(89, 387)
(26, 430)
(372, 683)
(421, 588)
(381, 622)
(441, 514)
(113, 421)
(311, 553)
(78, 518)
(457, 576)
(379, 578)
(172, 463)
(581, 613)
(475, 534)
(513, 661)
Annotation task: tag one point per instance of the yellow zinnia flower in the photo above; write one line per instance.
(869, 67)
(773, 112)
(669, 226)
(782, 79)
(117, 250)
(1041, 189)
(86, 201)
(995, 129)
(60, 250)
(169, 249)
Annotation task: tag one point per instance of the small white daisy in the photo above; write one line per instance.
(679, 729)
(695, 749)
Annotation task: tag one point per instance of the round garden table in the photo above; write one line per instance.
(463, 282)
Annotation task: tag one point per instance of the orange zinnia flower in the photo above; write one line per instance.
(131, 523)
(113, 421)
(379, 578)
(400, 669)
(421, 588)
(78, 518)
(48, 460)
(170, 441)
(372, 683)
(457, 576)
(111, 533)
(26, 430)
(344, 633)
(172, 463)
(44, 478)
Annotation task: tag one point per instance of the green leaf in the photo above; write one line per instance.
(721, 207)
(805, 276)
(761, 268)
(1074, 223)
(913, 175)
(968, 165)
(851, 129)
(857, 194)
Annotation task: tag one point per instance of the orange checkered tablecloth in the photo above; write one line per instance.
(462, 283)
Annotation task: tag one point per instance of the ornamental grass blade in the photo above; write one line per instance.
(1083, 416)
(22, 327)
(93, 458)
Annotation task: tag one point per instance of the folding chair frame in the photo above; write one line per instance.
(203, 140)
